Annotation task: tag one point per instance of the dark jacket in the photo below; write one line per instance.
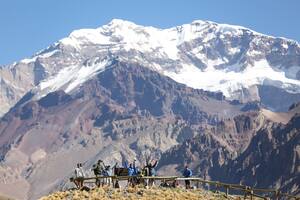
(187, 172)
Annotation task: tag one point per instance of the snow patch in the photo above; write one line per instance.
(230, 29)
(48, 54)
(28, 60)
(230, 81)
(284, 45)
(234, 50)
(71, 77)
(33, 59)
(253, 52)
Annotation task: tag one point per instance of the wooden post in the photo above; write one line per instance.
(197, 184)
(217, 187)
(251, 194)
(227, 191)
(246, 192)
(277, 194)
(206, 186)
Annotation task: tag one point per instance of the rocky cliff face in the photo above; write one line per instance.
(20, 77)
(271, 160)
(214, 146)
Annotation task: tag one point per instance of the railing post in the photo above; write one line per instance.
(206, 186)
(246, 192)
(227, 190)
(277, 194)
(251, 194)
(217, 187)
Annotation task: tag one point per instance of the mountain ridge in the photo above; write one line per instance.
(230, 59)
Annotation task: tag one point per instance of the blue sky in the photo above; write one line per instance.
(27, 26)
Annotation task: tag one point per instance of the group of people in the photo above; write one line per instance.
(147, 170)
(101, 170)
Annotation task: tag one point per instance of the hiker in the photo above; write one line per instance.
(106, 173)
(130, 173)
(144, 172)
(151, 170)
(136, 170)
(187, 173)
(98, 168)
(99, 171)
(152, 166)
(79, 176)
(136, 173)
(116, 172)
(130, 170)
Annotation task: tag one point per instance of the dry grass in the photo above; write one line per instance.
(138, 193)
(5, 198)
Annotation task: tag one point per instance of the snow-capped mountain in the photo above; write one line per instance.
(237, 61)
(115, 93)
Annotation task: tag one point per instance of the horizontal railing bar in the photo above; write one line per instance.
(264, 190)
(259, 196)
(176, 178)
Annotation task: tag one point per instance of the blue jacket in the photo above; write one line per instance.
(187, 172)
(135, 171)
(130, 171)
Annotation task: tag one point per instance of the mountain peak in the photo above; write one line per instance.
(223, 55)
(201, 54)
(120, 22)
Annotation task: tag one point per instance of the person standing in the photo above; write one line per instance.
(135, 168)
(79, 176)
(187, 173)
(151, 170)
(130, 174)
(99, 171)
(107, 173)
